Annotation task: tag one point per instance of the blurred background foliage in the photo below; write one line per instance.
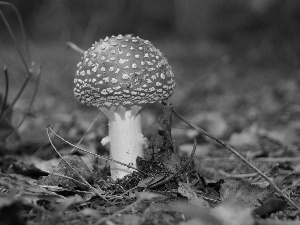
(237, 45)
(222, 20)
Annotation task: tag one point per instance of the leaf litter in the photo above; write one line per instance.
(168, 180)
(169, 186)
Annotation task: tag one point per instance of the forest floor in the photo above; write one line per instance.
(246, 95)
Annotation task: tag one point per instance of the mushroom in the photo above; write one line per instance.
(118, 75)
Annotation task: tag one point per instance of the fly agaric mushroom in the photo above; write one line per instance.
(118, 75)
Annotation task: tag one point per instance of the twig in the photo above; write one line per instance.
(3, 105)
(89, 128)
(81, 177)
(30, 105)
(75, 47)
(229, 148)
(15, 99)
(25, 58)
(93, 154)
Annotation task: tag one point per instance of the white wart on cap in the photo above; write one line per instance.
(123, 70)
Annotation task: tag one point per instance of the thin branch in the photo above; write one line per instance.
(30, 104)
(93, 154)
(26, 45)
(15, 99)
(81, 177)
(229, 148)
(89, 128)
(75, 47)
(15, 40)
(3, 106)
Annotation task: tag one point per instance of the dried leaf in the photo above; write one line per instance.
(151, 180)
(272, 205)
(187, 191)
(63, 169)
(244, 192)
(291, 180)
(25, 187)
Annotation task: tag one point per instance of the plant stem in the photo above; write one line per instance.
(15, 41)
(75, 47)
(3, 105)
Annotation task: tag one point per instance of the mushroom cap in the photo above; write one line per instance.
(123, 70)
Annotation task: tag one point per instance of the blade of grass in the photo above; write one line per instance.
(28, 73)
(3, 106)
(30, 105)
(26, 45)
(89, 128)
(233, 151)
(15, 41)
(16, 98)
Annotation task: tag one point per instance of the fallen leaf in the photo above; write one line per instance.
(25, 169)
(63, 169)
(25, 187)
(187, 191)
(248, 194)
(271, 205)
(291, 180)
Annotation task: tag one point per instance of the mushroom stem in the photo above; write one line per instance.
(126, 141)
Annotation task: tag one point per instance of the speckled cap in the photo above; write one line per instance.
(123, 70)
